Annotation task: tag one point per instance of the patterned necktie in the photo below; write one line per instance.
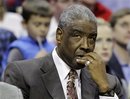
(71, 89)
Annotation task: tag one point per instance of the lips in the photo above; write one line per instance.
(79, 56)
(105, 54)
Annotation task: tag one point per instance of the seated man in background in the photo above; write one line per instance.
(120, 60)
(72, 70)
(105, 43)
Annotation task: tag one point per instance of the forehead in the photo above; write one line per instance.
(104, 29)
(125, 18)
(39, 18)
(83, 26)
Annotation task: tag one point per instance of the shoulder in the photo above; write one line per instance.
(28, 66)
(10, 91)
(6, 34)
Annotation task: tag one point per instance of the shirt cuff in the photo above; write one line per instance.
(109, 97)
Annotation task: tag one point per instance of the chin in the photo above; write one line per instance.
(106, 60)
(77, 67)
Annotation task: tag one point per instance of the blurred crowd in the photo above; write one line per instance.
(24, 37)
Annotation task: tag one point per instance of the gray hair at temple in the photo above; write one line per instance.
(76, 12)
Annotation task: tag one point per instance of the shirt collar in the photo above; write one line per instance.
(62, 68)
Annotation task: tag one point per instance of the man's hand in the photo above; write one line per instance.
(97, 70)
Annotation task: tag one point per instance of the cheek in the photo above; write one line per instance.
(98, 47)
(71, 48)
(31, 28)
(110, 48)
(120, 32)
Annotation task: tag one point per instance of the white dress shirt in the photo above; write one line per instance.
(63, 70)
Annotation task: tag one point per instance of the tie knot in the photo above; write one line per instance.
(73, 74)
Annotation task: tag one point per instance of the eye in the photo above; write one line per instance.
(37, 24)
(98, 40)
(124, 24)
(93, 37)
(109, 40)
(47, 24)
(76, 34)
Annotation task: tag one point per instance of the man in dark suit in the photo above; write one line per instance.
(46, 78)
(119, 63)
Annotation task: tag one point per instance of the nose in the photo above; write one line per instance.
(104, 45)
(85, 45)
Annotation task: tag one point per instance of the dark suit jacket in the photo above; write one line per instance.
(116, 69)
(39, 79)
(115, 66)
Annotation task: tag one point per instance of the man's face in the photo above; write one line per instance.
(122, 30)
(75, 41)
(37, 26)
(104, 42)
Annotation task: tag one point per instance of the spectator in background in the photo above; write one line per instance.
(120, 60)
(37, 16)
(105, 43)
(12, 5)
(97, 8)
(58, 6)
(6, 37)
(12, 20)
(8, 91)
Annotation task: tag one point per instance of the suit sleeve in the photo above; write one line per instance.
(118, 89)
(115, 87)
(14, 75)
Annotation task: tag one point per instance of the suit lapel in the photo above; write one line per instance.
(88, 87)
(51, 79)
(115, 66)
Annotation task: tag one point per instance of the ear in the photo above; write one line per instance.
(59, 35)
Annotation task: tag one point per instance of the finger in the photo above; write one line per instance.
(81, 61)
(93, 55)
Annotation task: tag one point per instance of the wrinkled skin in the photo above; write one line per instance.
(75, 46)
